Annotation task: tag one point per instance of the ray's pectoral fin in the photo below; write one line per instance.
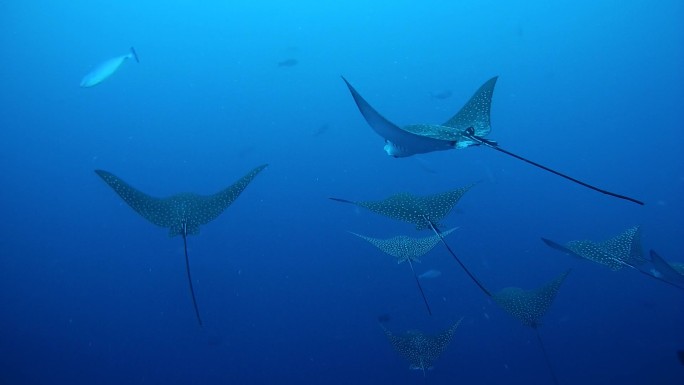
(156, 210)
(399, 142)
(475, 114)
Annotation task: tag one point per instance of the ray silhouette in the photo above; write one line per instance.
(420, 349)
(424, 212)
(621, 251)
(467, 128)
(407, 249)
(668, 272)
(182, 213)
(529, 306)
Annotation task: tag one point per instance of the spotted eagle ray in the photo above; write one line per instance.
(407, 249)
(420, 349)
(424, 212)
(621, 251)
(529, 306)
(107, 68)
(467, 128)
(182, 213)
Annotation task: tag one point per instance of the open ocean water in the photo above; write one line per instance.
(92, 293)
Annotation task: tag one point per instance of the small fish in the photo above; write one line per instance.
(444, 94)
(432, 273)
(323, 128)
(107, 68)
(288, 63)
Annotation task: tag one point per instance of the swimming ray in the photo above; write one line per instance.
(182, 213)
(529, 306)
(407, 249)
(424, 212)
(618, 252)
(668, 272)
(107, 68)
(467, 128)
(417, 210)
(420, 349)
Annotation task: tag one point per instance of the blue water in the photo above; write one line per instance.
(91, 293)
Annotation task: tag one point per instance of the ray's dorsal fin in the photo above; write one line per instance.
(182, 214)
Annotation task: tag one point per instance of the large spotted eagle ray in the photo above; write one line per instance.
(182, 213)
(467, 128)
(529, 306)
(407, 249)
(424, 212)
(420, 349)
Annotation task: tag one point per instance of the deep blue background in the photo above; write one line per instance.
(90, 293)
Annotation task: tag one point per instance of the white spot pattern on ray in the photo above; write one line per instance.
(415, 209)
(404, 248)
(529, 306)
(171, 212)
(419, 349)
(475, 113)
(625, 247)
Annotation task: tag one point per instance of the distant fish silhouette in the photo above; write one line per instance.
(288, 63)
(419, 349)
(182, 213)
(424, 212)
(529, 306)
(407, 249)
(467, 128)
(322, 129)
(107, 68)
(430, 274)
(444, 94)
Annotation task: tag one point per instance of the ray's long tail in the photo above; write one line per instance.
(420, 287)
(546, 357)
(187, 269)
(469, 133)
(471, 275)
